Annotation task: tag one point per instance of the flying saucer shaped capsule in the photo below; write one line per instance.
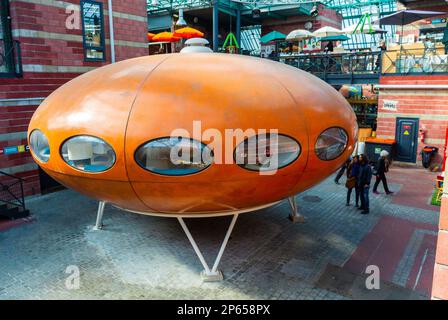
(109, 133)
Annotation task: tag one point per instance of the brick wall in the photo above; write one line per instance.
(52, 55)
(440, 280)
(429, 105)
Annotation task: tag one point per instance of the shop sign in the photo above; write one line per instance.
(14, 149)
(390, 105)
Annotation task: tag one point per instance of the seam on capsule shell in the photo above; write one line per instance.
(305, 122)
(127, 123)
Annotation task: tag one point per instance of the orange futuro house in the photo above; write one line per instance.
(109, 134)
(102, 133)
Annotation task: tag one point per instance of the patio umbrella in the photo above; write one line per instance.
(150, 36)
(403, 17)
(187, 33)
(327, 32)
(340, 37)
(272, 36)
(299, 34)
(165, 37)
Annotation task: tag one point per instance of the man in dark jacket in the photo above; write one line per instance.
(382, 168)
(364, 177)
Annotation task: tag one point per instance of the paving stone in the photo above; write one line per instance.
(142, 257)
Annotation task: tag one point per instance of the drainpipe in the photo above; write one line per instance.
(111, 32)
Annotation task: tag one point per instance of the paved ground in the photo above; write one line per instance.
(268, 257)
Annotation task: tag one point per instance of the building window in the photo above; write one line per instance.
(93, 30)
(10, 64)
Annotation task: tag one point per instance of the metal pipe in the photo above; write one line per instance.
(111, 32)
(195, 246)
(224, 244)
(99, 216)
(215, 25)
(238, 27)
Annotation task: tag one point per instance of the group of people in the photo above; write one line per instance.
(359, 176)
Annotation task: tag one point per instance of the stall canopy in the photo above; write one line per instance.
(327, 32)
(272, 36)
(340, 37)
(404, 17)
(299, 34)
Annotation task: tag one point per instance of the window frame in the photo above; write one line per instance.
(84, 171)
(11, 57)
(203, 145)
(103, 33)
(278, 168)
(342, 152)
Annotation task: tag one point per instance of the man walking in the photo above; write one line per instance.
(382, 168)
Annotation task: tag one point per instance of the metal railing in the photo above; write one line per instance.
(11, 190)
(403, 61)
(336, 64)
(10, 59)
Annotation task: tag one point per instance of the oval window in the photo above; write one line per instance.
(39, 145)
(88, 154)
(331, 143)
(174, 156)
(266, 152)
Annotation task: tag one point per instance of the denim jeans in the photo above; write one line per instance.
(365, 197)
(349, 193)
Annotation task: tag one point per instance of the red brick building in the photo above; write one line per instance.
(416, 101)
(425, 97)
(420, 101)
(45, 43)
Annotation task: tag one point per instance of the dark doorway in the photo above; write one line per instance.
(406, 135)
(47, 183)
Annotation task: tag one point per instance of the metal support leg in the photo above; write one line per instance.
(210, 274)
(99, 216)
(295, 216)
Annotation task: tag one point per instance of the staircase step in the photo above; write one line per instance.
(14, 213)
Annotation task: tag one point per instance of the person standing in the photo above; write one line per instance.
(364, 177)
(445, 38)
(382, 168)
(342, 170)
(352, 174)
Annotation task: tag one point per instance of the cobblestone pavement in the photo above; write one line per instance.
(268, 257)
